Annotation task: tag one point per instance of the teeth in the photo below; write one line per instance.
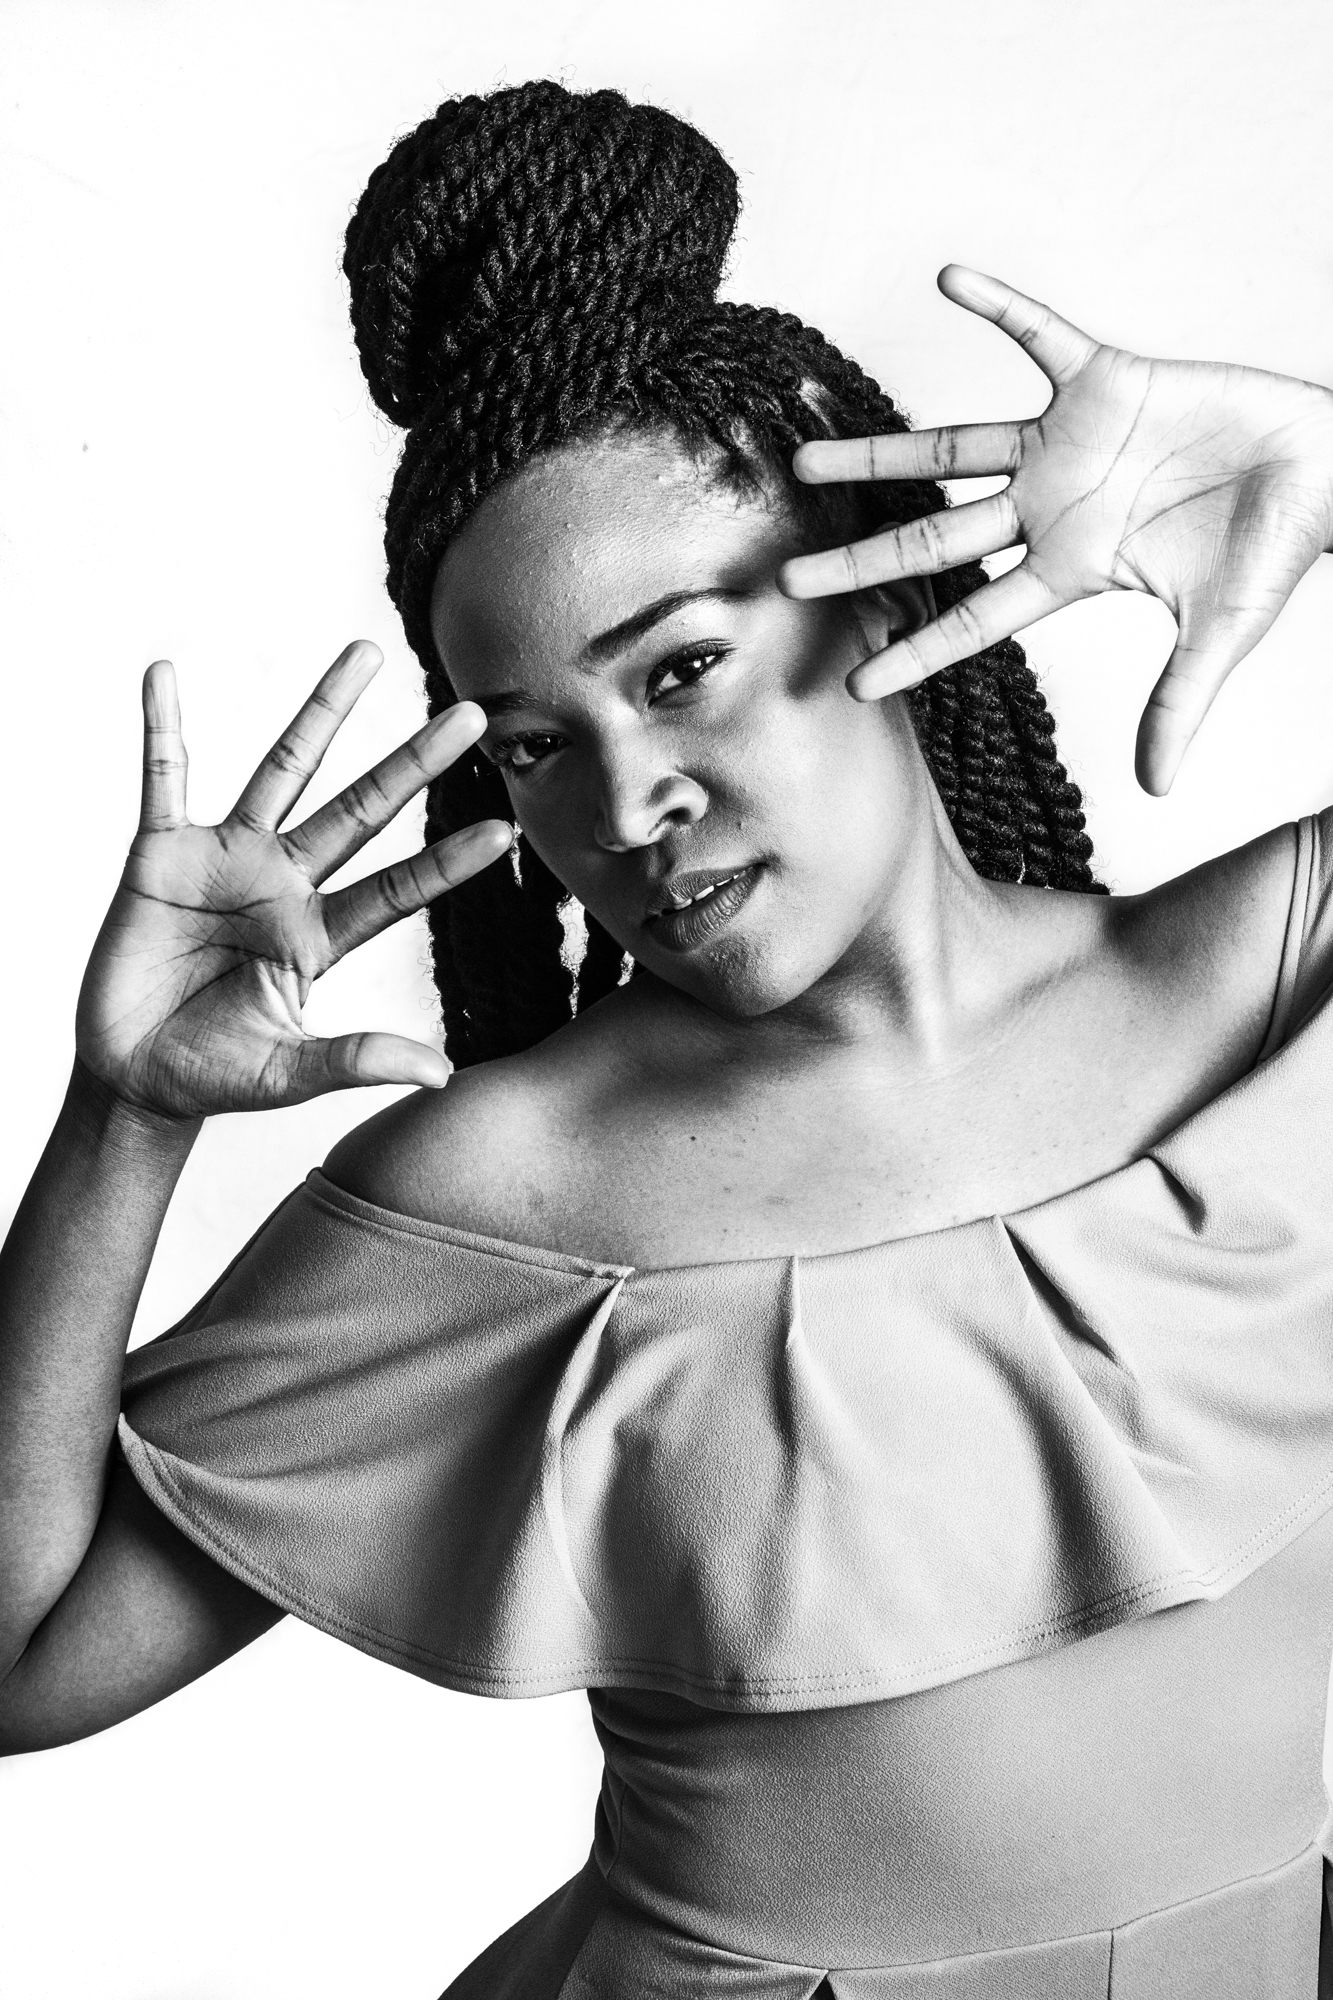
(683, 902)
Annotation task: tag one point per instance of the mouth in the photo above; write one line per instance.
(699, 905)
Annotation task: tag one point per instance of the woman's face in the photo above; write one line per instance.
(667, 721)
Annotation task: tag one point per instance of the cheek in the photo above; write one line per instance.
(838, 771)
(557, 817)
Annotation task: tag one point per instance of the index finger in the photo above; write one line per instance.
(164, 760)
(953, 451)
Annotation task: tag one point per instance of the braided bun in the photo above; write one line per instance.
(506, 219)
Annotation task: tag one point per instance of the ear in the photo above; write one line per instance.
(890, 611)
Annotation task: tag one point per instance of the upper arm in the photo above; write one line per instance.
(145, 1613)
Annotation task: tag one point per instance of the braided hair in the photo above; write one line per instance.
(536, 267)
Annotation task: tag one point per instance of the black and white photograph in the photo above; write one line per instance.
(666, 1309)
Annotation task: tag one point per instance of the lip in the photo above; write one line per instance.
(684, 930)
(689, 884)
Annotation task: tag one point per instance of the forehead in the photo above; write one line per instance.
(583, 538)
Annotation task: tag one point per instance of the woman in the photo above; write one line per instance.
(833, 1342)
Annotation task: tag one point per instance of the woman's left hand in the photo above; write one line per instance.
(1206, 485)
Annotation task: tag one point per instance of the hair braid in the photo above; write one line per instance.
(539, 266)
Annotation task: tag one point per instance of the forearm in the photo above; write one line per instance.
(71, 1274)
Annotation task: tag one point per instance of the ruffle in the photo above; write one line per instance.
(786, 1483)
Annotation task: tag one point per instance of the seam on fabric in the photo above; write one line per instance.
(1237, 1882)
(620, 1788)
(648, 1922)
(622, 1798)
(1104, 1934)
(574, 1377)
(1294, 933)
(328, 1195)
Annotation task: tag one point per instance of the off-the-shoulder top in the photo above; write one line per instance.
(787, 1483)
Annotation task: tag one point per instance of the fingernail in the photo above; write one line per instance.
(495, 834)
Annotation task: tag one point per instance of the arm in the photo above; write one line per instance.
(71, 1273)
(191, 1004)
(104, 1606)
(1203, 484)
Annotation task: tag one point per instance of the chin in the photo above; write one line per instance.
(737, 979)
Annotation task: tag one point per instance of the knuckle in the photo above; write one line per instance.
(930, 541)
(288, 756)
(966, 624)
(346, 1054)
(1024, 323)
(415, 759)
(912, 659)
(396, 891)
(357, 806)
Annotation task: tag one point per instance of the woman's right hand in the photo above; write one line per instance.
(192, 999)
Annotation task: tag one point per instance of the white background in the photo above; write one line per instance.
(189, 467)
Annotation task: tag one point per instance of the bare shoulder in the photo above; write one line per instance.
(485, 1153)
(1212, 936)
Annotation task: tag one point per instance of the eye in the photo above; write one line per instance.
(522, 753)
(689, 667)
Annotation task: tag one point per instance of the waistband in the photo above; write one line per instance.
(1258, 1939)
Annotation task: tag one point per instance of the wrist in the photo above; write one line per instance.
(1326, 459)
(102, 1115)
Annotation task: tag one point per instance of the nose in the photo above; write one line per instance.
(640, 800)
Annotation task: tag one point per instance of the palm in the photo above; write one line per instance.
(193, 996)
(1204, 484)
(1152, 475)
(208, 952)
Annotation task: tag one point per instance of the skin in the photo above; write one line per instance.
(880, 1043)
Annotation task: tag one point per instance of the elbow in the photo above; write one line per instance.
(21, 1729)
(34, 1716)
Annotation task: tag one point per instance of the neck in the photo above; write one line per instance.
(938, 975)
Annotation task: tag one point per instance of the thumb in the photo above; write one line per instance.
(1213, 639)
(345, 1062)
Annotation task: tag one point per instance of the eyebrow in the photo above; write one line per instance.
(506, 703)
(616, 639)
